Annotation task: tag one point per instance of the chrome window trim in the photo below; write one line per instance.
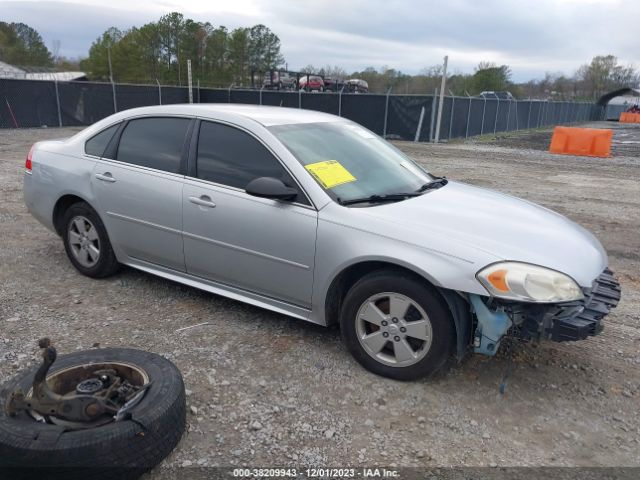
(131, 166)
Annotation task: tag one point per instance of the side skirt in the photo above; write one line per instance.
(234, 293)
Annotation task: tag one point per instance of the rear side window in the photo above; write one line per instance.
(98, 143)
(229, 156)
(154, 143)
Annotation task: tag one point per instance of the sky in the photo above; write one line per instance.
(532, 37)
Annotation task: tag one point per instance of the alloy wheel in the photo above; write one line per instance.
(394, 329)
(84, 241)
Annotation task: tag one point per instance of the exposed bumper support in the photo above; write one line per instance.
(559, 322)
(579, 320)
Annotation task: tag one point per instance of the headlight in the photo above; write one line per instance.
(529, 283)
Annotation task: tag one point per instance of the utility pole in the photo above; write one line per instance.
(441, 102)
(113, 85)
(109, 59)
(189, 80)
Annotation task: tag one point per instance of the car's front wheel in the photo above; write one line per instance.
(86, 242)
(397, 326)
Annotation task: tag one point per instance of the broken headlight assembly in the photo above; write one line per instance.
(528, 283)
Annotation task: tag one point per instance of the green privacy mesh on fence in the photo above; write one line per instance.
(37, 103)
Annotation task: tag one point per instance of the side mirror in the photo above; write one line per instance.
(269, 187)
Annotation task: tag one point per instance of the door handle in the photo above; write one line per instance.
(203, 201)
(105, 177)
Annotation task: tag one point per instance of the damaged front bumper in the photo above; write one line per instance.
(579, 320)
(560, 322)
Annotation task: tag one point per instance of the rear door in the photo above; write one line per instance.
(261, 245)
(139, 190)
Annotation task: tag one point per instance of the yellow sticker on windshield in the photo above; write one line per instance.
(330, 173)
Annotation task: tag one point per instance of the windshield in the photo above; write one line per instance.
(349, 161)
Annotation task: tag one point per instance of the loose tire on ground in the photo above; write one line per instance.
(441, 329)
(118, 450)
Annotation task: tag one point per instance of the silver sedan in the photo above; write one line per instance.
(316, 217)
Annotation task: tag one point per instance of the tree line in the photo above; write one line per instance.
(602, 74)
(22, 45)
(158, 51)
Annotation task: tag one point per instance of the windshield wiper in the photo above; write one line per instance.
(437, 182)
(389, 197)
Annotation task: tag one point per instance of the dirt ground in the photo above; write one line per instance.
(267, 390)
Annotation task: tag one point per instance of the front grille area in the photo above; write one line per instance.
(578, 320)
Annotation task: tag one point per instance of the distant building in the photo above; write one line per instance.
(32, 73)
(619, 101)
(9, 71)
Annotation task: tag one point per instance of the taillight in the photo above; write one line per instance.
(27, 164)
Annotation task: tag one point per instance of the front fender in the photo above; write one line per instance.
(340, 246)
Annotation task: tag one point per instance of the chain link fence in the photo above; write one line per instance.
(38, 103)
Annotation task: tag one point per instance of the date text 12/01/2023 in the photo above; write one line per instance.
(315, 472)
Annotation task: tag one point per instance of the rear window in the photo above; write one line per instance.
(97, 144)
(154, 143)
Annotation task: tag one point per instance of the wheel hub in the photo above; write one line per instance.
(394, 329)
(89, 386)
(82, 396)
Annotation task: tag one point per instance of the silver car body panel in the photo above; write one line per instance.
(285, 256)
(137, 204)
(249, 242)
(222, 289)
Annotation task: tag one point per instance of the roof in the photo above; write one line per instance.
(9, 71)
(59, 76)
(35, 73)
(265, 115)
(635, 92)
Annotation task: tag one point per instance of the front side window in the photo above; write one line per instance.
(154, 143)
(229, 156)
(97, 144)
(349, 161)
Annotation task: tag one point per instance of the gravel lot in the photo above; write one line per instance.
(266, 390)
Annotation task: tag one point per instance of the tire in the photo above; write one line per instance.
(124, 449)
(429, 341)
(106, 263)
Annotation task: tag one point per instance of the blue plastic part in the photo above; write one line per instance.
(492, 325)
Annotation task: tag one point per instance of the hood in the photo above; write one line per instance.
(468, 221)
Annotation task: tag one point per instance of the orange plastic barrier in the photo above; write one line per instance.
(629, 117)
(587, 142)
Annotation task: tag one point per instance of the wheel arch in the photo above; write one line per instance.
(61, 206)
(457, 304)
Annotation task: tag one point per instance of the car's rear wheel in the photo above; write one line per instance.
(86, 242)
(397, 326)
